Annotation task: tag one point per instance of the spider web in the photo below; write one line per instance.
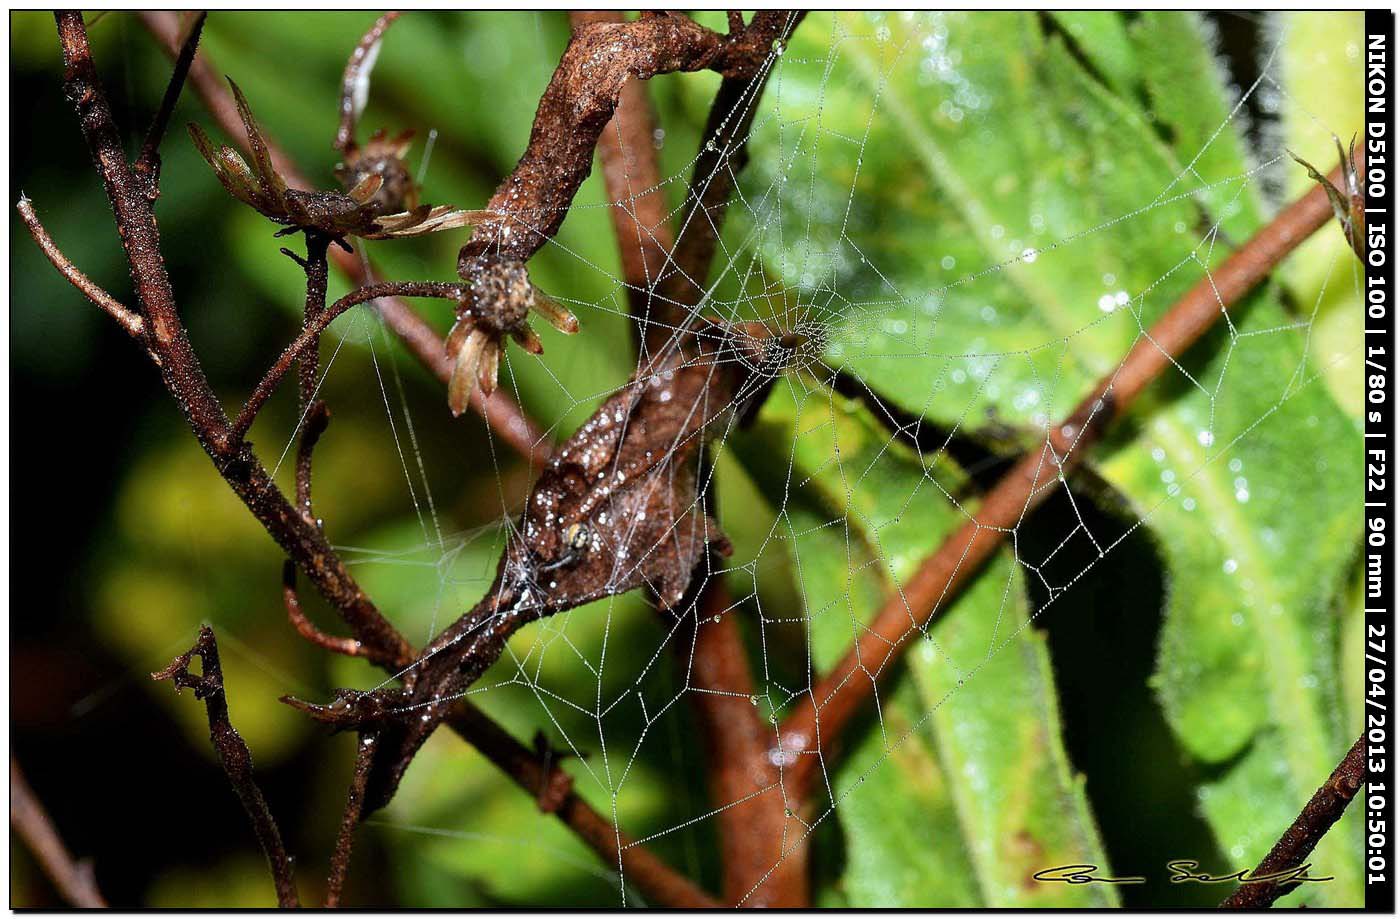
(910, 391)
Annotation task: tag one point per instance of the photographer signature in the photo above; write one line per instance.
(1183, 871)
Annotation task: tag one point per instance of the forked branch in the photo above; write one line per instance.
(501, 413)
(234, 755)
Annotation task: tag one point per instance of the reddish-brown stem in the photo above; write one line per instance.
(180, 368)
(350, 819)
(810, 731)
(754, 823)
(305, 628)
(632, 177)
(134, 325)
(310, 333)
(360, 58)
(501, 413)
(234, 755)
(147, 164)
(73, 880)
(1324, 809)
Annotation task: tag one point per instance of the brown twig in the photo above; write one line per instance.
(638, 866)
(180, 367)
(184, 378)
(134, 325)
(234, 755)
(1271, 879)
(305, 628)
(764, 864)
(147, 164)
(74, 880)
(632, 177)
(360, 59)
(442, 290)
(809, 732)
(501, 413)
(354, 806)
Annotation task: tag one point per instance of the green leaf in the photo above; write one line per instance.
(1320, 64)
(960, 790)
(985, 227)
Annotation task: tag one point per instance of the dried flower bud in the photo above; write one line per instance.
(498, 303)
(1349, 202)
(336, 214)
(384, 158)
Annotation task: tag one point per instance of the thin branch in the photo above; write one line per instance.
(305, 628)
(764, 864)
(234, 755)
(127, 318)
(442, 290)
(661, 883)
(180, 367)
(147, 164)
(354, 83)
(73, 880)
(502, 414)
(1284, 862)
(354, 806)
(811, 729)
(632, 177)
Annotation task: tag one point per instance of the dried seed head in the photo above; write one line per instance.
(336, 214)
(501, 292)
(465, 369)
(499, 299)
(1348, 202)
(383, 158)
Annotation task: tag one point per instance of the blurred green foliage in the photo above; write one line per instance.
(898, 161)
